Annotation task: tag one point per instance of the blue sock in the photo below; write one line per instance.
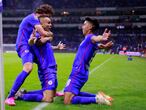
(83, 100)
(86, 94)
(32, 97)
(17, 84)
(35, 92)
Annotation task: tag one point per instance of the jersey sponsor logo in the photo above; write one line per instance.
(50, 82)
(68, 82)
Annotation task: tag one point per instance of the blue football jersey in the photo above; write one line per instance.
(25, 29)
(79, 73)
(85, 53)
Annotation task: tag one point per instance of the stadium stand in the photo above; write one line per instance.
(126, 19)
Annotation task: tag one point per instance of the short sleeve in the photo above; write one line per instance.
(88, 37)
(95, 44)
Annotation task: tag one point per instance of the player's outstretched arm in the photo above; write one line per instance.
(60, 46)
(39, 41)
(105, 46)
(100, 38)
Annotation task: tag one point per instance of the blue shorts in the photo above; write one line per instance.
(26, 54)
(48, 78)
(76, 81)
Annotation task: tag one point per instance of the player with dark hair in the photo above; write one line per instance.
(28, 24)
(80, 69)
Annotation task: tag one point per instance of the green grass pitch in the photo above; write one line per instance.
(124, 80)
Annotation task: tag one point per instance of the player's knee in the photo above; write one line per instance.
(48, 99)
(28, 67)
(67, 100)
(48, 96)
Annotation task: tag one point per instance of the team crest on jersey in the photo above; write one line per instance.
(50, 82)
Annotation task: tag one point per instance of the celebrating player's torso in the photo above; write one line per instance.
(44, 54)
(85, 53)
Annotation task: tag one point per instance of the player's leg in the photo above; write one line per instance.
(37, 95)
(73, 86)
(30, 97)
(68, 97)
(27, 67)
(99, 99)
(49, 85)
(86, 94)
(72, 91)
(71, 94)
(27, 59)
(48, 96)
(48, 78)
(24, 91)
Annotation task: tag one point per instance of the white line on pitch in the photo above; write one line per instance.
(98, 66)
(41, 106)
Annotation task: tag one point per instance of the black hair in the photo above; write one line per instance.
(94, 22)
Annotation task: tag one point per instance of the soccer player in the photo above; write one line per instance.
(79, 74)
(47, 67)
(23, 49)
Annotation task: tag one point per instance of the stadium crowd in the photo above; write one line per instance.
(127, 25)
(17, 4)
